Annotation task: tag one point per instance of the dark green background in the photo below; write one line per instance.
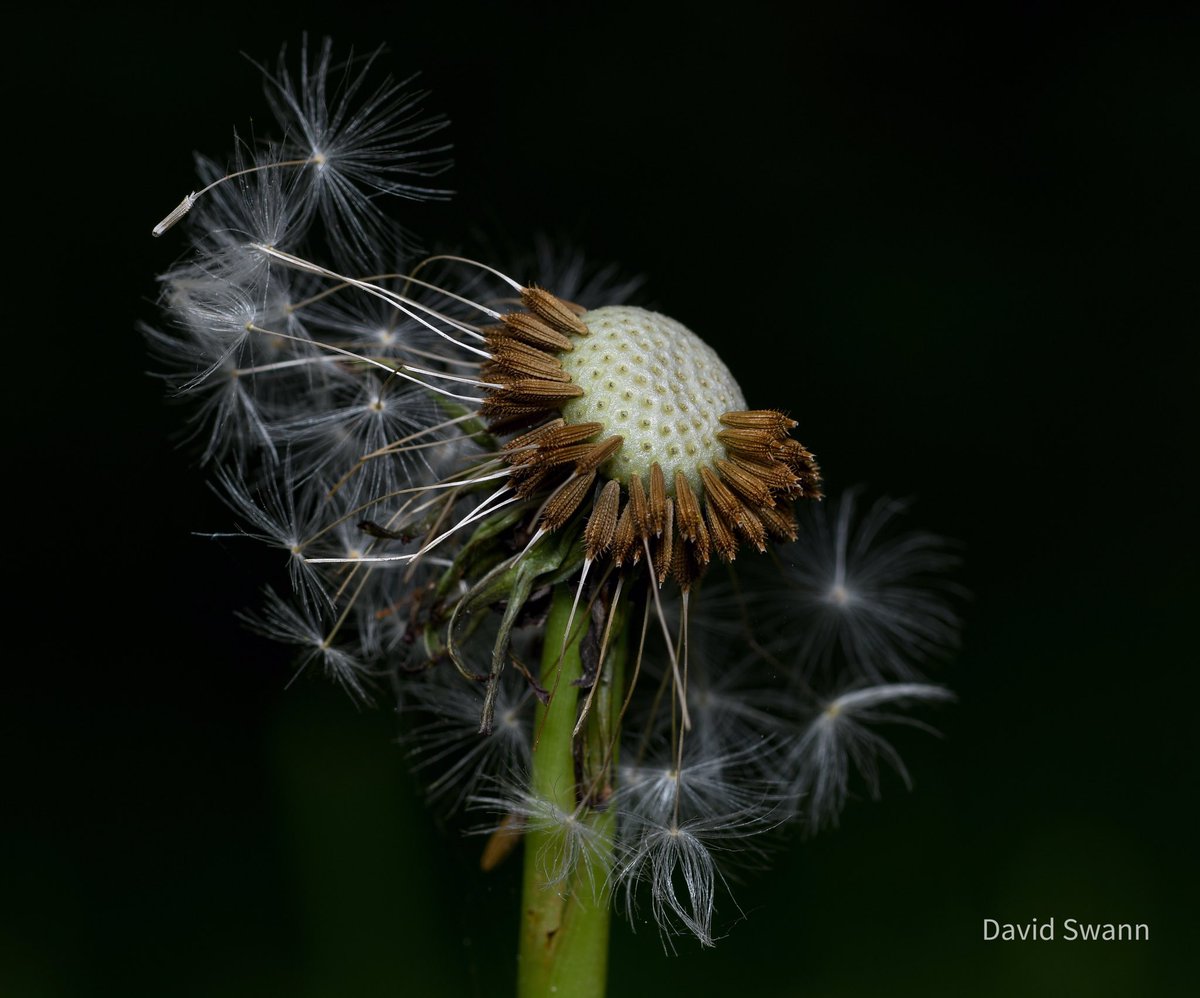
(961, 249)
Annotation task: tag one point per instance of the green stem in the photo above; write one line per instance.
(564, 925)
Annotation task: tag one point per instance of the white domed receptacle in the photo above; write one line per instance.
(654, 382)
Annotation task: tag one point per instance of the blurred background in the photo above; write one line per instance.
(959, 248)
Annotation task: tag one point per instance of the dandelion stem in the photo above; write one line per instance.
(564, 924)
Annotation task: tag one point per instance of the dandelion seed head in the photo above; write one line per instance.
(839, 740)
(577, 847)
(358, 139)
(445, 744)
(862, 594)
(439, 451)
(677, 862)
(636, 399)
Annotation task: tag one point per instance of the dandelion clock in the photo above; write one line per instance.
(631, 643)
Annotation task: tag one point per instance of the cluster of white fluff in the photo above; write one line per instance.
(333, 384)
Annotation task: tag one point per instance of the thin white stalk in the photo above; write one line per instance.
(365, 360)
(398, 301)
(662, 620)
